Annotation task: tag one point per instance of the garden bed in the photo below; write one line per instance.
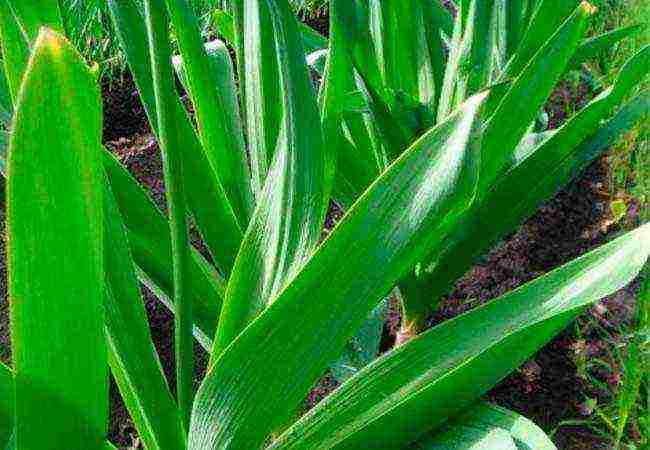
(549, 388)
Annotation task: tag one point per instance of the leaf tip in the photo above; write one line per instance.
(49, 40)
(588, 8)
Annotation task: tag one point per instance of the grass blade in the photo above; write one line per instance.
(54, 223)
(428, 188)
(416, 387)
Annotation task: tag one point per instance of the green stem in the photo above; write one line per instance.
(164, 88)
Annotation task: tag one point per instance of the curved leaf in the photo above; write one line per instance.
(288, 220)
(428, 188)
(433, 377)
(487, 426)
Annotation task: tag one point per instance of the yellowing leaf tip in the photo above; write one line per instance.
(588, 8)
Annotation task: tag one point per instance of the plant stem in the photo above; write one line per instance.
(164, 88)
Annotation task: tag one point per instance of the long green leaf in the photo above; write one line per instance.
(597, 45)
(524, 190)
(418, 386)
(428, 188)
(206, 197)
(34, 15)
(15, 48)
(477, 50)
(288, 221)
(131, 353)
(55, 252)
(509, 123)
(546, 19)
(148, 234)
(219, 127)
(148, 228)
(170, 144)
(357, 160)
(262, 89)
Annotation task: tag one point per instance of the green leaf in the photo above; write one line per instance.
(348, 133)
(6, 404)
(523, 190)
(425, 192)
(288, 221)
(15, 48)
(363, 348)
(548, 16)
(170, 145)
(206, 197)
(55, 260)
(512, 118)
(477, 50)
(148, 235)
(34, 15)
(262, 90)
(516, 23)
(435, 376)
(131, 353)
(486, 426)
(218, 126)
(597, 45)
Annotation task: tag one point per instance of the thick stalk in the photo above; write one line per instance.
(164, 89)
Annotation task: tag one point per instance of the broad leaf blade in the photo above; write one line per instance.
(428, 188)
(262, 96)
(55, 256)
(416, 387)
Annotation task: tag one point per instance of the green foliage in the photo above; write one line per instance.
(421, 128)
